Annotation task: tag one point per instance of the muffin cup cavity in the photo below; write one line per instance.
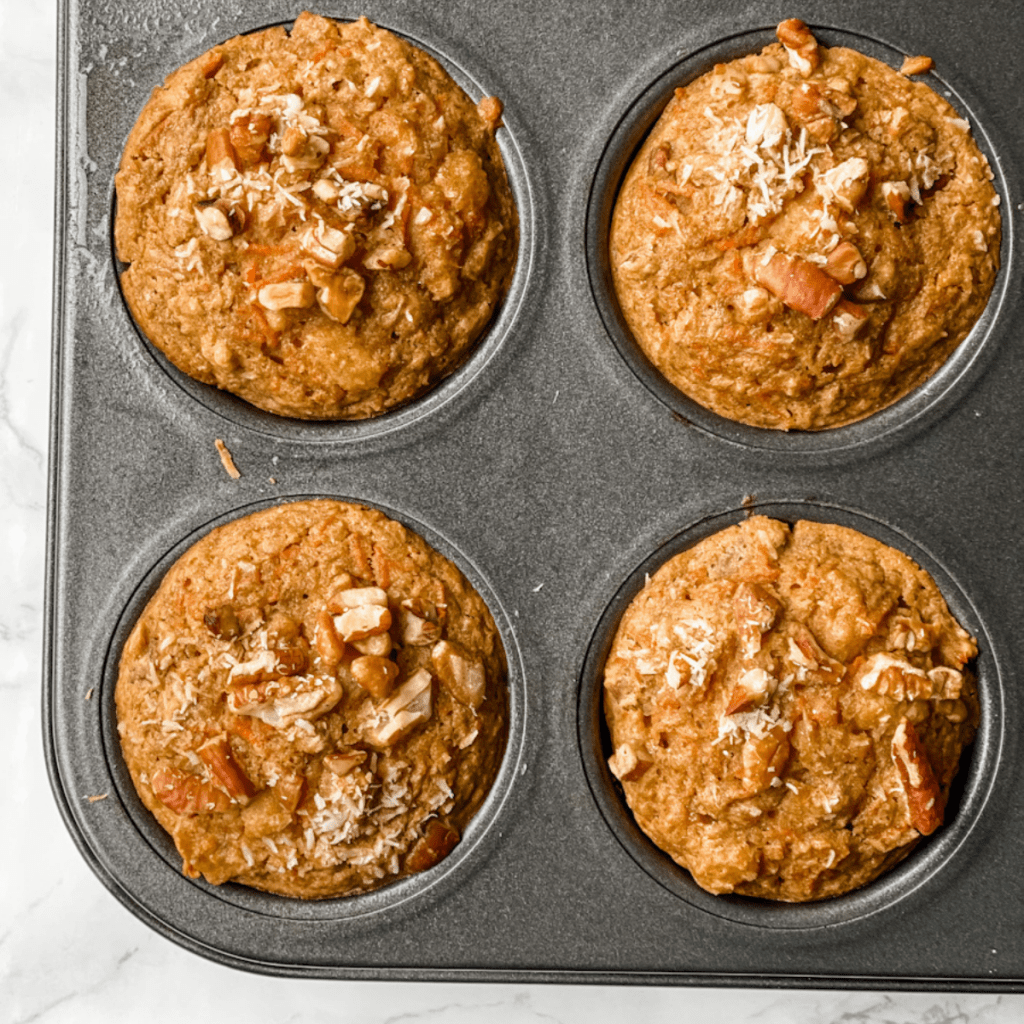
(628, 128)
(151, 850)
(945, 850)
(470, 371)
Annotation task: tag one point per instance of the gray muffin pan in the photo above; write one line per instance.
(555, 468)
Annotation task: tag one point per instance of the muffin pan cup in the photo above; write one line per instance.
(554, 473)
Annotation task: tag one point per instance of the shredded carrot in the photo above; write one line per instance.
(285, 274)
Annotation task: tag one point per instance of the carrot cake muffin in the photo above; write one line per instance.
(313, 702)
(805, 236)
(788, 707)
(316, 220)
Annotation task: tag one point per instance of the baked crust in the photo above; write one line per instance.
(805, 236)
(281, 755)
(788, 708)
(318, 221)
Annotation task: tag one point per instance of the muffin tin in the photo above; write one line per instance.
(555, 468)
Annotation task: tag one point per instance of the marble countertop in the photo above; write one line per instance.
(68, 950)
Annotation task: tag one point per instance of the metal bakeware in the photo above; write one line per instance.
(555, 469)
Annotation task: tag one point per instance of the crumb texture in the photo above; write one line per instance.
(313, 703)
(788, 708)
(805, 236)
(317, 221)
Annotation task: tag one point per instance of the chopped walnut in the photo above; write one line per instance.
(411, 705)
(462, 677)
(287, 295)
(801, 46)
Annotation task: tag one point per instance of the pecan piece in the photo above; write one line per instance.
(221, 158)
(924, 798)
(846, 183)
(186, 793)
(848, 318)
(626, 765)
(214, 222)
(343, 763)
(217, 756)
(328, 644)
(328, 245)
(897, 197)
(845, 264)
(916, 65)
(751, 689)
(755, 610)
(764, 758)
(800, 284)
(433, 846)
(249, 135)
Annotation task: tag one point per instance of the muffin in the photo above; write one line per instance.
(787, 708)
(313, 703)
(318, 221)
(805, 236)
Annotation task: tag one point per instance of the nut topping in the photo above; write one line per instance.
(436, 843)
(186, 793)
(221, 158)
(287, 295)
(343, 763)
(328, 644)
(362, 621)
(626, 765)
(249, 134)
(924, 798)
(463, 678)
(755, 610)
(916, 65)
(411, 705)
(846, 183)
(340, 298)
(328, 245)
(848, 318)
(375, 675)
(845, 264)
(357, 597)
(214, 222)
(801, 46)
(751, 689)
(801, 285)
(217, 756)
(897, 198)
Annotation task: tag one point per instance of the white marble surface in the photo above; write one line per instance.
(68, 950)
